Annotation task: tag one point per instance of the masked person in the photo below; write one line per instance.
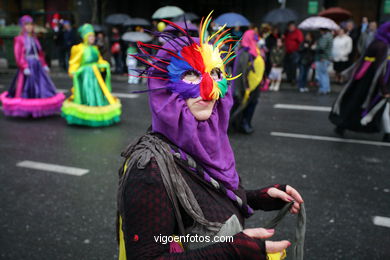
(31, 93)
(250, 65)
(180, 178)
(91, 103)
(363, 104)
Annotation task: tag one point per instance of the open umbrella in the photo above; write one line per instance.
(186, 16)
(98, 27)
(190, 26)
(337, 14)
(318, 22)
(137, 36)
(232, 20)
(280, 15)
(116, 19)
(167, 12)
(136, 21)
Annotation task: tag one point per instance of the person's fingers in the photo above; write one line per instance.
(276, 193)
(276, 246)
(294, 193)
(259, 232)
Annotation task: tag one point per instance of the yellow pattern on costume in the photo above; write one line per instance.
(255, 76)
(277, 255)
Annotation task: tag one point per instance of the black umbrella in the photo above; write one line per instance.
(186, 16)
(116, 19)
(136, 21)
(280, 15)
(99, 28)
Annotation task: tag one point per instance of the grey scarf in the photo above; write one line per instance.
(139, 155)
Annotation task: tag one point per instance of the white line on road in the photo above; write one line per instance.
(120, 95)
(303, 107)
(330, 139)
(381, 221)
(125, 95)
(53, 168)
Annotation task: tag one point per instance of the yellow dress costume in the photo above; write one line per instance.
(91, 102)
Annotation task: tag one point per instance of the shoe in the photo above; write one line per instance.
(247, 129)
(306, 89)
(339, 131)
(302, 90)
(386, 138)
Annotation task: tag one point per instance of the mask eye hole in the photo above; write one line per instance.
(216, 74)
(191, 76)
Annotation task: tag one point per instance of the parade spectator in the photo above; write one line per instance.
(364, 25)
(276, 59)
(270, 43)
(306, 58)
(323, 55)
(116, 49)
(66, 39)
(354, 33)
(292, 40)
(103, 46)
(367, 37)
(342, 47)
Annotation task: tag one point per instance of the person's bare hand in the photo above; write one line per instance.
(270, 246)
(290, 195)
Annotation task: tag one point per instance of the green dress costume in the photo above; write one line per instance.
(91, 102)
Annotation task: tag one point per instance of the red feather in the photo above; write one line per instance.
(206, 87)
(193, 57)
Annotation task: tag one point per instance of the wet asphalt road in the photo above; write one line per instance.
(46, 215)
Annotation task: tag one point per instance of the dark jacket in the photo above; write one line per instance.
(306, 53)
(277, 56)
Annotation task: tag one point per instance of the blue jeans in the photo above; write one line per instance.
(302, 79)
(322, 75)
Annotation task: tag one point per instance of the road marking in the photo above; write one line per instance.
(53, 168)
(303, 107)
(125, 95)
(328, 138)
(120, 95)
(381, 221)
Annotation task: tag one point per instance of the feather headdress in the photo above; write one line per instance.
(203, 58)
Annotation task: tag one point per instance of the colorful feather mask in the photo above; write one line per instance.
(195, 68)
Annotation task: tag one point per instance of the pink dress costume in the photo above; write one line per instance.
(31, 93)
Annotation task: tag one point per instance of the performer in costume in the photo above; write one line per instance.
(91, 103)
(31, 93)
(180, 178)
(363, 104)
(250, 65)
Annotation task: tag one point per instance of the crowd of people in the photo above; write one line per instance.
(295, 53)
